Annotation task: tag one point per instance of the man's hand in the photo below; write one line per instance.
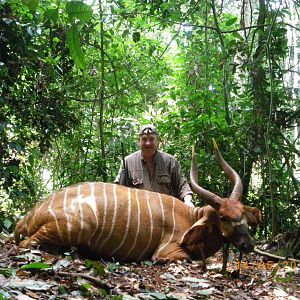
(188, 200)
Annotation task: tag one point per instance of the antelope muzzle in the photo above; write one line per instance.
(239, 236)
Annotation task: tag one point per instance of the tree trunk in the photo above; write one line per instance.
(103, 170)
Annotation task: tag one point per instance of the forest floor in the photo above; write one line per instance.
(36, 274)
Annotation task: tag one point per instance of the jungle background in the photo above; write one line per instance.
(79, 78)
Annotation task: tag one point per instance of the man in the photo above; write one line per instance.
(154, 170)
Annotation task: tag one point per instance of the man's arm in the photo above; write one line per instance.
(181, 185)
(187, 199)
(119, 178)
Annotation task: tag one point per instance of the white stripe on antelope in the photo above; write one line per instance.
(131, 225)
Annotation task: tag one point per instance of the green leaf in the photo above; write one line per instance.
(73, 43)
(275, 270)
(52, 14)
(31, 160)
(7, 271)
(4, 295)
(173, 95)
(7, 223)
(148, 263)
(31, 4)
(38, 266)
(231, 21)
(79, 10)
(117, 298)
(15, 146)
(280, 32)
(289, 278)
(103, 292)
(113, 266)
(99, 269)
(85, 287)
(125, 33)
(62, 289)
(136, 36)
(237, 36)
(13, 169)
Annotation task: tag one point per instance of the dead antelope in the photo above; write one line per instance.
(127, 224)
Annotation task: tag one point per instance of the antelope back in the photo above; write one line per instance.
(111, 220)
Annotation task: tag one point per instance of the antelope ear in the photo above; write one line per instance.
(253, 215)
(196, 233)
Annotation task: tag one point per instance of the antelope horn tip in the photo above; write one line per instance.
(215, 144)
(193, 151)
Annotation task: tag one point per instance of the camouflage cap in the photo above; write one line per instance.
(148, 129)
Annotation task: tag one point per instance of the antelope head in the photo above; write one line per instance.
(231, 212)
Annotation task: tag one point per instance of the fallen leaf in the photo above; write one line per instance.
(193, 279)
(206, 292)
(279, 292)
(38, 266)
(62, 263)
(34, 285)
(169, 277)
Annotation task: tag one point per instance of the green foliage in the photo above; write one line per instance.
(7, 272)
(96, 266)
(31, 4)
(163, 62)
(78, 10)
(4, 295)
(32, 110)
(112, 267)
(86, 289)
(73, 41)
(147, 263)
(37, 266)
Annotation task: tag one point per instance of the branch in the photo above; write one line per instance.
(97, 281)
(274, 256)
(293, 116)
(183, 24)
(291, 71)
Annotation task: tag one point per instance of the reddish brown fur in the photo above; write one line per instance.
(232, 210)
(179, 232)
(253, 215)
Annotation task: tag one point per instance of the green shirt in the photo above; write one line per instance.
(167, 177)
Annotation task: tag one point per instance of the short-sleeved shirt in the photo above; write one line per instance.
(167, 177)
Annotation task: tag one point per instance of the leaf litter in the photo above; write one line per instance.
(36, 274)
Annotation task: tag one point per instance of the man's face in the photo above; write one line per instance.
(148, 143)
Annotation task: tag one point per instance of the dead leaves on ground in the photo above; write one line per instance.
(35, 274)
